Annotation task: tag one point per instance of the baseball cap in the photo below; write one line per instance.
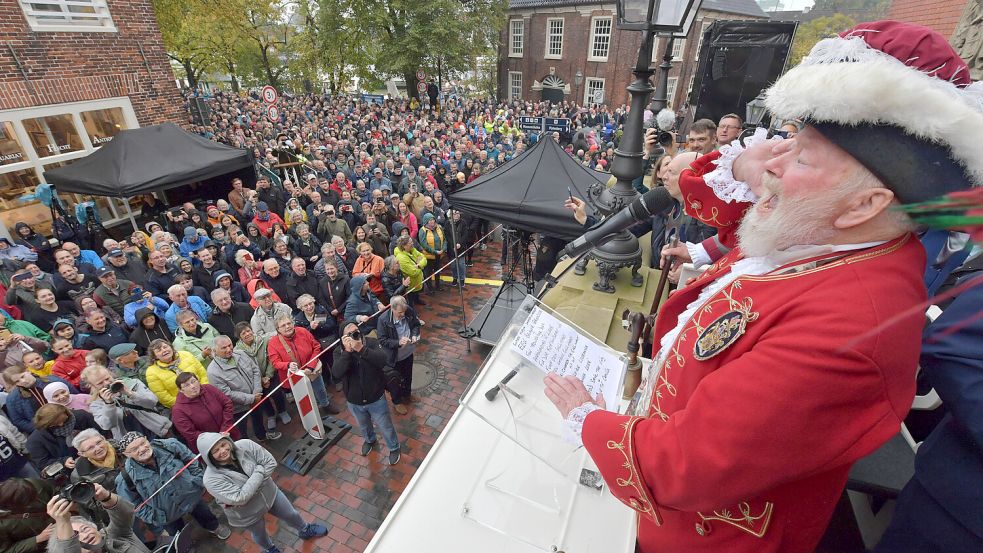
(377, 170)
(115, 252)
(105, 271)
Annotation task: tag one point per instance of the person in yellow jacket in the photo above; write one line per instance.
(411, 263)
(433, 244)
(166, 364)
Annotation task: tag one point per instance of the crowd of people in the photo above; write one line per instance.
(123, 360)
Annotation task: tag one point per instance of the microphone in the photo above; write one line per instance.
(492, 392)
(651, 203)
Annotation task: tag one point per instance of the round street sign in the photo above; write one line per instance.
(269, 94)
(421, 87)
(420, 75)
(273, 113)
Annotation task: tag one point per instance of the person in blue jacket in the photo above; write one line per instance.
(941, 507)
(26, 395)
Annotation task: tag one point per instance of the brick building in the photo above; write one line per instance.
(572, 50)
(72, 74)
(940, 15)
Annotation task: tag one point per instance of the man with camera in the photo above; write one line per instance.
(124, 404)
(360, 366)
(72, 534)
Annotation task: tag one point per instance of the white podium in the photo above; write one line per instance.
(500, 478)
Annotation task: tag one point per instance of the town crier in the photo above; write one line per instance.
(794, 355)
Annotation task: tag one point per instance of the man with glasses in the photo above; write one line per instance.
(729, 129)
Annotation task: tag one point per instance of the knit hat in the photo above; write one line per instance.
(126, 439)
(427, 217)
(190, 233)
(220, 275)
(897, 98)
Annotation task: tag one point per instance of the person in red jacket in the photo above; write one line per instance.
(201, 408)
(69, 361)
(265, 219)
(295, 348)
(795, 355)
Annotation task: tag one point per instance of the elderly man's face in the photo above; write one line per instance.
(178, 296)
(802, 195)
(72, 249)
(139, 450)
(272, 269)
(727, 130)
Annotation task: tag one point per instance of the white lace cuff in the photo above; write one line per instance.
(574, 422)
(721, 180)
(698, 254)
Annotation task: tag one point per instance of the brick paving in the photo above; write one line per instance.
(351, 494)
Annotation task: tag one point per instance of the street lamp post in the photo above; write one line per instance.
(651, 17)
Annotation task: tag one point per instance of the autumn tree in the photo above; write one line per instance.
(808, 34)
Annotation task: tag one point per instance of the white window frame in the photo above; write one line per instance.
(16, 118)
(515, 90)
(699, 43)
(671, 91)
(593, 37)
(99, 22)
(588, 97)
(550, 36)
(517, 37)
(678, 48)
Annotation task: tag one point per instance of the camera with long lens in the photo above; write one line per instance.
(61, 477)
(79, 492)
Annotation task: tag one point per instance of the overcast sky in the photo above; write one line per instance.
(797, 4)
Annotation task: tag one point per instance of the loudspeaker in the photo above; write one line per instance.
(738, 59)
(201, 114)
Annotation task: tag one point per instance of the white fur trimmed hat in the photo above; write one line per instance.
(896, 97)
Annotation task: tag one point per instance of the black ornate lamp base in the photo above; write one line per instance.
(607, 270)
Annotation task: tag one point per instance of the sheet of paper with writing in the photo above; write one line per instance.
(556, 347)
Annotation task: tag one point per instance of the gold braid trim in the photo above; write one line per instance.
(641, 500)
(756, 525)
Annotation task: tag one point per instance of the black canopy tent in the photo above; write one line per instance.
(152, 159)
(528, 192)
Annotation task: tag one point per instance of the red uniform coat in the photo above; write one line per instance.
(703, 204)
(748, 450)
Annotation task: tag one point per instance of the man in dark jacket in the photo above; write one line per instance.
(102, 333)
(228, 313)
(276, 279)
(399, 331)
(301, 282)
(204, 273)
(359, 365)
(25, 534)
(126, 268)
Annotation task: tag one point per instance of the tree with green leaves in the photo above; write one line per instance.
(182, 36)
(440, 36)
(808, 34)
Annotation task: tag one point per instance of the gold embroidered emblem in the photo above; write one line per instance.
(720, 334)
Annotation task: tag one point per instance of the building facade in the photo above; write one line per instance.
(73, 73)
(572, 50)
(939, 15)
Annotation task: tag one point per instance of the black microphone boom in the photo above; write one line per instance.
(651, 203)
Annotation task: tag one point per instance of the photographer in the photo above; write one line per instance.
(25, 527)
(360, 366)
(72, 534)
(125, 404)
(399, 332)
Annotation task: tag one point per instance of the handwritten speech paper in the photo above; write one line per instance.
(556, 347)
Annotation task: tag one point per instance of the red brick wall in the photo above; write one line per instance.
(69, 67)
(941, 15)
(576, 39)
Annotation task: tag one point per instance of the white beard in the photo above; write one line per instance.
(803, 221)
